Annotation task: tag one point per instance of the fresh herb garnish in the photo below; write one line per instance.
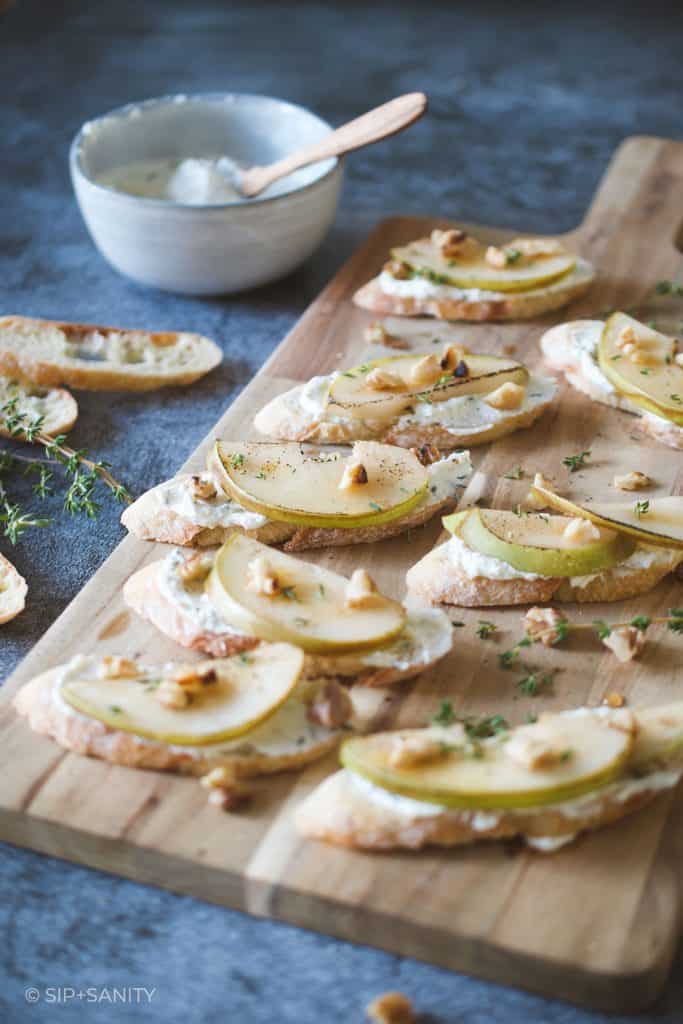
(515, 474)
(641, 508)
(445, 715)
(485, 629)
(534, 684)
(576, 462)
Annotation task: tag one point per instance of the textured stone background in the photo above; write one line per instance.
(527, 102)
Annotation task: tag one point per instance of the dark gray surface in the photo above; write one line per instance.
(527, 102)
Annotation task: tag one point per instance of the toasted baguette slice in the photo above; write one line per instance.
(346, 810)
(56, 407)
(284, 419)
(182, 611)
(285, 741)
(449, 303)
(49, 353)
(437, 580)
(169, 513)
(562, 353)
(13, 590)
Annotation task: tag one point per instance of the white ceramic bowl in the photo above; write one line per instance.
(205, 250)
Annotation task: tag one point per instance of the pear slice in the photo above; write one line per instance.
(536, 543)
(309, 608)
(659, 740)
(485, 775)
(519, 276)
(656, 521)
(248, 689)
(351, 397)
(286, 483)
(656, 384)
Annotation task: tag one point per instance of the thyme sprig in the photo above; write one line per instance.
(82, 473)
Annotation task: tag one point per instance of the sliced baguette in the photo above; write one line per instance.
(494, 306)
(47, 713)
(56, 407)
(13, 590)
(183, 612)
(151, 518)
(281, 420)
(435, 579)
(49, 353)
(342, 811)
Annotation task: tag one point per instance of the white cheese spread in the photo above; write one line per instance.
(176, 496)
(287, 731)
(473, 564)
(426, 636)
(422, 288)
(642, 558)
(190, 599)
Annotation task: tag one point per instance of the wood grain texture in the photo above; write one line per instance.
(598, 922)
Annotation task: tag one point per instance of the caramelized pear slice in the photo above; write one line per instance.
(352, 397)
(247, 689)
(289, 484)
(655, 521)
(537, 543)
(485, 774)
(518, 276)
(308, 605)
(643, 369)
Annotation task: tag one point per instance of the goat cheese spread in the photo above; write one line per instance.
(190, 598)
(176, 496)
(287, 731)
(422, 288)
(642, 558)
(426, 637)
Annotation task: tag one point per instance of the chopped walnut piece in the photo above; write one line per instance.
(193, 677)
(377, 334)
(426, 371)
(401, 271)
(380, 379)
(496, 257)
(535, 751)
(639, 350)
(625, 642)
(354, 475)
(455, 244)
(196, 567)
(423, 745)
(452, 356)
(537, 248)
(532, 500)
(112, 667)
(361, 590)
(506, 397)
(614, 700)
(203, 487)
(172, 695)
(542, 624)
(427, 454)
(261, 578)
(225, 790)
(633, 481)
(392, 1008)
(331, 707)
(580, 531)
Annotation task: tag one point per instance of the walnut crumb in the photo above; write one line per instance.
(542, 624)
(427, 454)
(507, 397)
(377, 334)
(203, 487)
(452, 356)
(196, 567)
(331, 707)
(392, 1008)
(633, 481)
(354, 475)
(112, 667)
(401, 271)
(580, 531)
(261, 578)
(380, 379)
(361, 590)
(172, 695)
(614, 700)
(625, 642)
(426, 371)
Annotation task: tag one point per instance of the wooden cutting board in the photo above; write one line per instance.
(598, 922)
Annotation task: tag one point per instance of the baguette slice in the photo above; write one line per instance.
(435, 579)
(168, 513)
(446, 303)
(285, 741)
(183, 612)
(49, 353)
(56, 406)
(562, 354)
(13, 591)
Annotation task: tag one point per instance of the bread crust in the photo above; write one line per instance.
(144, 595)
(513, 306)
(56, 406)
(436, 580)
(34, 350)
(277, 420)
(13, 590)
(338, 811)
(91, 738)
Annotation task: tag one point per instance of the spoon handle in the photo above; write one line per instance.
(377, 124)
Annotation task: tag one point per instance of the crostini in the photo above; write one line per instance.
(625, 364)
(285, 494)
(49, 353)
(453, 276)
(546, 782)
(230, 601)
(13, 590)
(607, 551)
(450, 398)
(55, 408)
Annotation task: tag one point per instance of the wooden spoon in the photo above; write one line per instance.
(377, 124)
